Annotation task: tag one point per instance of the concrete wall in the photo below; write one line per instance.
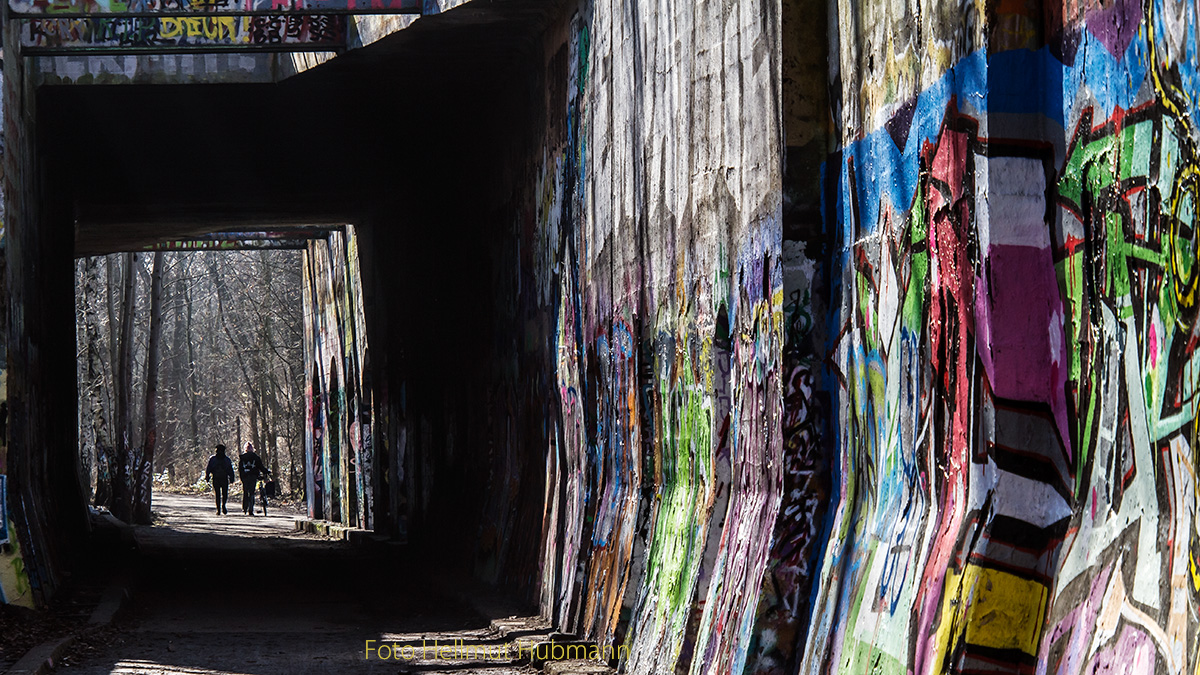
(338, 447)
(652, 225)
(1013, 341)
(42, 495)
(159, 68)
(1007, 256)
(15, 584)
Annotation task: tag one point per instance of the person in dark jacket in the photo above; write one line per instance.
(220, 472)
(251, 468)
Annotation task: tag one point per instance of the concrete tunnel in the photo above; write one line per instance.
(411, 141)
(502, 398)
(458, 150)
(752, 337)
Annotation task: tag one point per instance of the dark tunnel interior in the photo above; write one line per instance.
(418, 140)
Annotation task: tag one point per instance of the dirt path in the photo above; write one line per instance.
(181, 516)
(240, 594)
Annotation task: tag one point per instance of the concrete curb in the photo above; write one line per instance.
(113, 600)
(42, 658)
(325, 528)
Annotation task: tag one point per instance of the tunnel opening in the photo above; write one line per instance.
(435, 440)
(228, 361)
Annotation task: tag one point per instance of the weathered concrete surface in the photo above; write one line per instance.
(1014, 358)
(650, 287)
(42, 659)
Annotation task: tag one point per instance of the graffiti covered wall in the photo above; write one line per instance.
(952, 434)
(337, 438)
(1014, 206)
(300, 31)
(14, 580)
(650, 227)
(39, 489)
(15, 586)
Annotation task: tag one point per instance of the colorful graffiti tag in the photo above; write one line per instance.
(14, 580)
(264, 31)
(338, 441)
(1015, 483)
(117, 7)
(664, 466)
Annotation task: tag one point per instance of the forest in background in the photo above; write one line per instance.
(179, 351)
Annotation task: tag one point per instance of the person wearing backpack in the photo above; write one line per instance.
(251, 469)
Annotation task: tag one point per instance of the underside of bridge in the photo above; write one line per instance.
(411, 141)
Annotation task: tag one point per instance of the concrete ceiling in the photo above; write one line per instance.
(140, 164)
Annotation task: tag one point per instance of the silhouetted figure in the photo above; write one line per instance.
(220, 472)
(269, 489)
(251, 468)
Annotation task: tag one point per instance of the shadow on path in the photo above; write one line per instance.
(242, 594)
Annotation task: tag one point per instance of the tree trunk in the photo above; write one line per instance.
(98, 411)
(254, 436)
(298, 393)
(112, 265)
(181, 450)
(264, 387)
(193, 383)
(122, 505)
(164, 437)
(145, 474)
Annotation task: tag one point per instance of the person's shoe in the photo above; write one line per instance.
(218, 512)
(226, 511)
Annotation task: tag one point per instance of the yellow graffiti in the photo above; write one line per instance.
(991, 608)
(1186, 279)
(14, 580)
(226, 28)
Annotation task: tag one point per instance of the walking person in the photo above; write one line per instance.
(251, 468)
(220, 473)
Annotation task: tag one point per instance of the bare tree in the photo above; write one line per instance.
(145, 465)
(210, 342)
(122, 503)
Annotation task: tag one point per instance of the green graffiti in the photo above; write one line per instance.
(1104, 181)
(685, 430)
